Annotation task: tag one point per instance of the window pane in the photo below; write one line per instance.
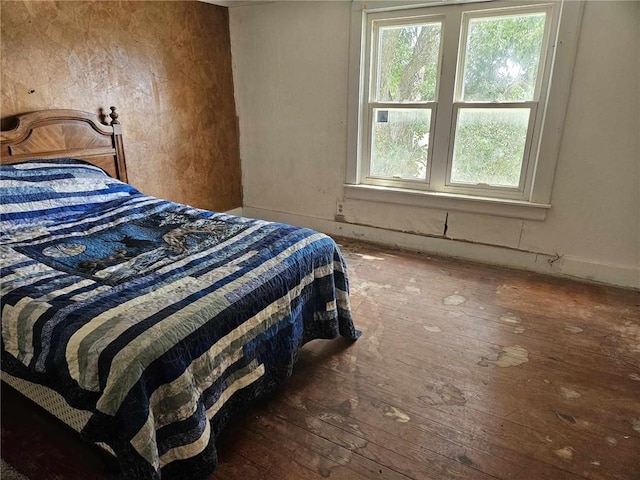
(502, 58)
(400, 143)
(489, 146)
(408, 63)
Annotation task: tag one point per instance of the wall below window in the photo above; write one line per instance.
(290, 72)
(165, 65)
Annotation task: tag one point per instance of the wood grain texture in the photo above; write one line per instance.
(66, 133)
(464, 371)
(165, 65)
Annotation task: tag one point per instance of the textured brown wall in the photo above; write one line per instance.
(165, 65)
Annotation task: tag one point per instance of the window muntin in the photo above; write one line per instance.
(518, 83)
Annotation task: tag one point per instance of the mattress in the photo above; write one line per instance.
(54, 403)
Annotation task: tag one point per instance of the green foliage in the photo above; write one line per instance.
(408, 73)
(502, 58)
(489, 146)
(409, 63)
(400, 146)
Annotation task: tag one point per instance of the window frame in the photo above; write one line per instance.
(547, 115)
(539, 97)
(373, 103)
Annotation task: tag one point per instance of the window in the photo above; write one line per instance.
(454, 102)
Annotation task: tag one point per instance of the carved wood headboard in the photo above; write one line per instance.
(50, 134)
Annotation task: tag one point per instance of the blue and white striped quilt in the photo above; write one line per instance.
(161, 319)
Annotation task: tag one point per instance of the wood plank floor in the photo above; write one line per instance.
(464, 371)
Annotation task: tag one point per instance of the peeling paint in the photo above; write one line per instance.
(368, 257)
(355, 427)
(445, 394)
(397, 415)
(331, 417)
(595, 462)
(565, 453)
(409, 288)
(351, 359)
(508, 357)
(374, 285)
(569, 394)
(635, 377)
(635, 422)
(454, 299)
(631, 335)
(519, 330)
(510, 318)
(573, 330)
(611, 441)
(432, 329)
(364, 287)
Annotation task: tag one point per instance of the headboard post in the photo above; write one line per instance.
(118, 145)
(113, 115)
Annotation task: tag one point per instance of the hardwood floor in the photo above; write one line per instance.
(463, 371)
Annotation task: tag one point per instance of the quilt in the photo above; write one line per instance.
(161, 319)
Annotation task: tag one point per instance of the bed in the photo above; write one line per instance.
(145, 324)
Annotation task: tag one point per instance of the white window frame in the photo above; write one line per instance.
(532, 198)
(368, 108)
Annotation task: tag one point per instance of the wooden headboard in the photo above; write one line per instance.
(50, 134)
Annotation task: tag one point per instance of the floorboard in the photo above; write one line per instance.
(464, 371)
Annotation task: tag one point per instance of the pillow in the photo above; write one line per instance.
(46, 189)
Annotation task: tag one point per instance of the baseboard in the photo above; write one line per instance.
(236, 211)
(565, 266)
(619, 275)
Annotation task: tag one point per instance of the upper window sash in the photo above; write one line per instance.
(506, 12)
(375, 26)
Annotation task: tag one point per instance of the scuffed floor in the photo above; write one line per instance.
(464, 371)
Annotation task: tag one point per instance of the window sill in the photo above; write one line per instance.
(447, 201)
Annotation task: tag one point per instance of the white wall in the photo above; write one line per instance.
(290, 63)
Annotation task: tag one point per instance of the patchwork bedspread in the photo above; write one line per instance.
(161, 319)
